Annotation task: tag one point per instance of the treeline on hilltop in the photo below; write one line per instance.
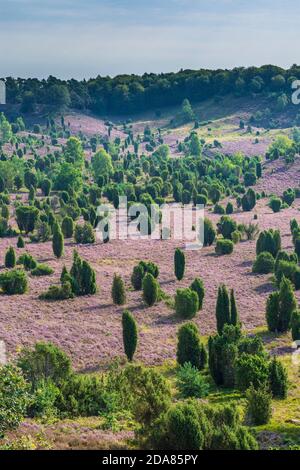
(125, 94)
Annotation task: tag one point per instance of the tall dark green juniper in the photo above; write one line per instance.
(10, 258)
(179, 263)
(198, 286)
(150, 289)
(190, 348)
(83, 277)
(57, 241)
(118, 292)
(280, 307)
(222, 308)
(130, 334)
(234, 314)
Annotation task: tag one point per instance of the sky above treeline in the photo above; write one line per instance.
(85, 38)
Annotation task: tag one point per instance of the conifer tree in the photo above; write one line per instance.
(222, 308)
(20, 242)
(130, 334)
(57, 241)
(189, 347)
(198, 287)
(118, 292)
(10, 258)
(179, 263)
(150, 289)
(234, 315)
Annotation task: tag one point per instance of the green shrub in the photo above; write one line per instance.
(191, 383)
(57, 241)
(150, 289)
(224, 247)
(236, 236)
(227, 226)
(275, 204)
(190, 348)
(259, 405)
(130, 334)
(67, 227)
(28, 261)
(179, 264)
(118, 292)
(137, 277)
(14, 398)
(198, 287)
(186, 303)
(83, 277)
(280, 306)
(278, 379)
(14, 282)
(43, 398)
(209, 232)
(44, 362)
(20, 242)
(84, 234)
(251, 369)
(295, 325)
(42, 270)
(10, 258)
(62, 292)
(264, 263)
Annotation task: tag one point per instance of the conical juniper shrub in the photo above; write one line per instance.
(179, 263)
(198, 287)
(57, 241)
(190, 348)
(130, 334)
(150, 289)
(295, 325)
(118, 292)
(280, 307)
(186, 303)
(10, 258)
(278, 379)
(222, 308)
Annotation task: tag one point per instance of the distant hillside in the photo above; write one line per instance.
(130, 94)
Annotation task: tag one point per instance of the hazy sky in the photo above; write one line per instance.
(84, 38)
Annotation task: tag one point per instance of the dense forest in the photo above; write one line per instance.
(125, 94)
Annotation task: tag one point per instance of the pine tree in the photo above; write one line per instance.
(198, 287)
(130, 334)
(234, 315)
(57, 241)
(10, 258)
(118, 292)
(222, 308)
(189, 347)
(150, 289)
(179, 263)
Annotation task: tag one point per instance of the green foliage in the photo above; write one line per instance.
(179, 263)
(20, 242)
(14, 398)
(223, 308)
(209, 232)
(14, 282)
(275, 204)
(150, 289)
(191, 383)
(26, 217)
(259, 406)
(186, 303)
(42, 270)
(269, 240)
(224, 247)
(278, 379)
(84, 234)
(264, 263)
(280, 306)
(67, 227)
(190, 348)
(62, 292)
(251, 369)
(10, 258)
(44, 361)
(249, 200)
(118, 291)
(83, 277)
(227, 226)
(57, 241)
(295, 325)
(130, 334)
(198, 286)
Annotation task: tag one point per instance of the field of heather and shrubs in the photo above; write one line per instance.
(111, 343)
